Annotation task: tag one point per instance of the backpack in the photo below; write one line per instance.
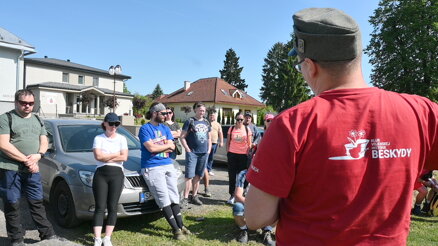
(11, 132)
(230, 135)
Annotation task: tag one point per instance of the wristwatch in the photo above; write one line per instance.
(42, 154)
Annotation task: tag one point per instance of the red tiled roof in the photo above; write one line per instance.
(214, 90)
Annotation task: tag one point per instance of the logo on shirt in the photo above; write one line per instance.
(356, 148)
(201, 132)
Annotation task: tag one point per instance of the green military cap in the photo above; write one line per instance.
(326, 34)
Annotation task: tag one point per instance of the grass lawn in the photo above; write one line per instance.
(217, 228)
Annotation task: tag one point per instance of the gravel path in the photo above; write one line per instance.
(218, 188)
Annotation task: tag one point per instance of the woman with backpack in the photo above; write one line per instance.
(238, 144)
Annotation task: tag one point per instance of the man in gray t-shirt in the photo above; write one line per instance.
(23, 142)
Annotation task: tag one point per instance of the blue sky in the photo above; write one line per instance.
(166, 42)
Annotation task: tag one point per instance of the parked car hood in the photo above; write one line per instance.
(85, 161)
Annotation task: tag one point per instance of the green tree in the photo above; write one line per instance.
(141, 104)
(125, 88)
(283, 86)
(404, 47)
(157, 92)
(231, 71)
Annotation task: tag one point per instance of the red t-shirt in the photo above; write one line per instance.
(345, 163)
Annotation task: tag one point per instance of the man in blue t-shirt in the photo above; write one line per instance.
(196, 140)
(157, 167)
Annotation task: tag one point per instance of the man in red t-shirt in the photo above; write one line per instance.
(339, 169)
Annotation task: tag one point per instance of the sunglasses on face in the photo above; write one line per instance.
(268, 121)
(114, 123)
(24, 103)
(164, 113)
(239, 119)
(169, 112)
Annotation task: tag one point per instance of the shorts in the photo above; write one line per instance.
(163, 184)
(238, 209)
(195, 164)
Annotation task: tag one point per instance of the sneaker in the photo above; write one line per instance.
(107, 241)
(184, 203)
(231, 200)
(416, 210)
(243, 236)
(178, 235)
(97, 241)
(426, 208)
(207, 193)
(211, 173)
(196, 201)
(267, 238)
(186, 231)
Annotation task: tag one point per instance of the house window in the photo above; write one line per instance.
(81, 79)
(65, 77)
(96, 81)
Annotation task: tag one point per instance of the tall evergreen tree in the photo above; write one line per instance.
(404, 47)
(125, 88)
(231, 71)
(157, 92)
(283, 86)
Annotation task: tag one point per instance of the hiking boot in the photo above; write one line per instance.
(184, 203)
(97, 241)
(186, 231)
(416, 210)
(107, 241)
(178, 235)
(243, 236)
(231, 200)
(196, 201)
(207, 193)
(267, 238)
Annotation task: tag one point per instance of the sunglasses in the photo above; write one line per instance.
(268, 121)
(169, 112)
(164, 113)
(114, 123)
(239, 119)
(24, 103)
(298, 66)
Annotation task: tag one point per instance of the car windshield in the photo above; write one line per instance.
(80, 138)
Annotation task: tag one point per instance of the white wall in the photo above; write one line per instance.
(52, 103)
(11, 77)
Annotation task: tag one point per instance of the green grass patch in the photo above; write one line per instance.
(217, 228)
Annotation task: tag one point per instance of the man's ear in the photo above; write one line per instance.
(312, 68)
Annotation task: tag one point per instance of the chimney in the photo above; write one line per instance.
(186, 85)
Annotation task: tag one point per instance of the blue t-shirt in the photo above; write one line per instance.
(197, 135)
(159, 135)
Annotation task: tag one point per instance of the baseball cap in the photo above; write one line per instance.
(269, 116)
(247, 115)
(111, 117)
(326, 34)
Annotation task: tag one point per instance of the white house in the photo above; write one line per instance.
(214, 92)
(12, 52)
(68, 88)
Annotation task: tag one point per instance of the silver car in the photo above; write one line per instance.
(68, 167)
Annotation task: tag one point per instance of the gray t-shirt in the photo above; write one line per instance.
(26, 139)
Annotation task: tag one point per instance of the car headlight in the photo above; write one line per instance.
(86, 177)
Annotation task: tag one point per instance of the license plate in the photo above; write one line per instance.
(144, 197)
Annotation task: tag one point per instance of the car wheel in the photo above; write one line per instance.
(63, 206)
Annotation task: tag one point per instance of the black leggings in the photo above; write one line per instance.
(107, 187)
(236, 164)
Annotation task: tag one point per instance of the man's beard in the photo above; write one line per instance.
(158, 120)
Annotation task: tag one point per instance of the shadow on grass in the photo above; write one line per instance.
(221, 229)
(424, 219)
